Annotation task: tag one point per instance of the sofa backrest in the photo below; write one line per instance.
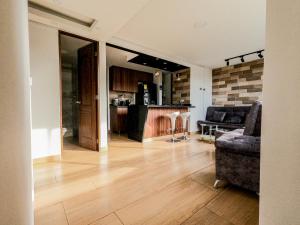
(253, 121)
(230, 112)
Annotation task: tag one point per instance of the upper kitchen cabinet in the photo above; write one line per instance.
(126, 80)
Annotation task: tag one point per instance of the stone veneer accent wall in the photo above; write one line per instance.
(239, 84)
(181, 89)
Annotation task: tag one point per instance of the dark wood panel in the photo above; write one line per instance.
(87, 74)
(123, 79)
(118, 119)
(158, 124)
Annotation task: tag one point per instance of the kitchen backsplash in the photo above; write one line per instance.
(181, 88)
(126, 95)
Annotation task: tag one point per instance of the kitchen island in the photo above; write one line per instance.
(146, 122)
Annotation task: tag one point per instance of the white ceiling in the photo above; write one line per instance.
(202, 32)
(110, 15)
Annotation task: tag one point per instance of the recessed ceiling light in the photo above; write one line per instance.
(165, 68)
(165, 63)
(200, 24)
(145, 63)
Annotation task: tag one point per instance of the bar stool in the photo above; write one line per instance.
(185, 117)
(173, 116)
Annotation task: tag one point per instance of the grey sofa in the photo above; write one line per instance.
(238, 153)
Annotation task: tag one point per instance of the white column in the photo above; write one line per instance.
(280, 152)
(102, 93)
(15, 153)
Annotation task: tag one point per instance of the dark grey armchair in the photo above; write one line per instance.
(238, 153)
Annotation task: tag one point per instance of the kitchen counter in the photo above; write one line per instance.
(146, 122)
(118, 118)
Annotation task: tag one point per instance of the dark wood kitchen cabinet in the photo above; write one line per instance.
(118, 118)
(126, 80)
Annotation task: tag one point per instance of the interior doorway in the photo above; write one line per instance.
(79, 88)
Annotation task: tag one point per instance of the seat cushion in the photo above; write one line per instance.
(221, 125)
(236, 142)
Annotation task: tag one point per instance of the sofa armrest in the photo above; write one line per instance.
(219, 133)
(241, 144)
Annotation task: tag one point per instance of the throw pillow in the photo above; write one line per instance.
(241, 115)
(236, 120)
(219, 116)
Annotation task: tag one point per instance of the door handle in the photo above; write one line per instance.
(78, 102)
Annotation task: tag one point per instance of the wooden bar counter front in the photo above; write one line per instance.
(146, 122)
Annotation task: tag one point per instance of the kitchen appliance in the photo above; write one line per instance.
(115, 102)
(147, 94)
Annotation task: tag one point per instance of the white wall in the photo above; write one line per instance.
(200, 94)
(280, 153)
(45, 90)
(44, 57)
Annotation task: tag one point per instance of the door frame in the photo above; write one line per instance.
(61, 32)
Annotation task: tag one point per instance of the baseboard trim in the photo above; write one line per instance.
(47, 159)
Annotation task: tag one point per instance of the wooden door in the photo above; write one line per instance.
(87, 74)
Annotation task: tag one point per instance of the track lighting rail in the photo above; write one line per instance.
(241, 57)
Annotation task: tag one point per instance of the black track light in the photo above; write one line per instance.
(241, 57)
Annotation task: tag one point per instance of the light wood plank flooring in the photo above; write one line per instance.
(133, 184)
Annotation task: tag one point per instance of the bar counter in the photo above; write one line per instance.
(146, 122)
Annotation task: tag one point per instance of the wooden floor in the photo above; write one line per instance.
(133, 183)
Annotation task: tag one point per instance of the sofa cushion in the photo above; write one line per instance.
(236, 142)
(220, 125)
(218, 116)
(236, 120)
(253, 120)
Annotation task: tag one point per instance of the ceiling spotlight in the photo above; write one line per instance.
(145, 63)
(242, 59)
(165, 63)
(260, 55)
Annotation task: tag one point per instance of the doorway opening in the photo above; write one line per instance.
(79, 88)
(136, 79)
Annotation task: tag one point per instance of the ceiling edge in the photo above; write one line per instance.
(139, 48)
